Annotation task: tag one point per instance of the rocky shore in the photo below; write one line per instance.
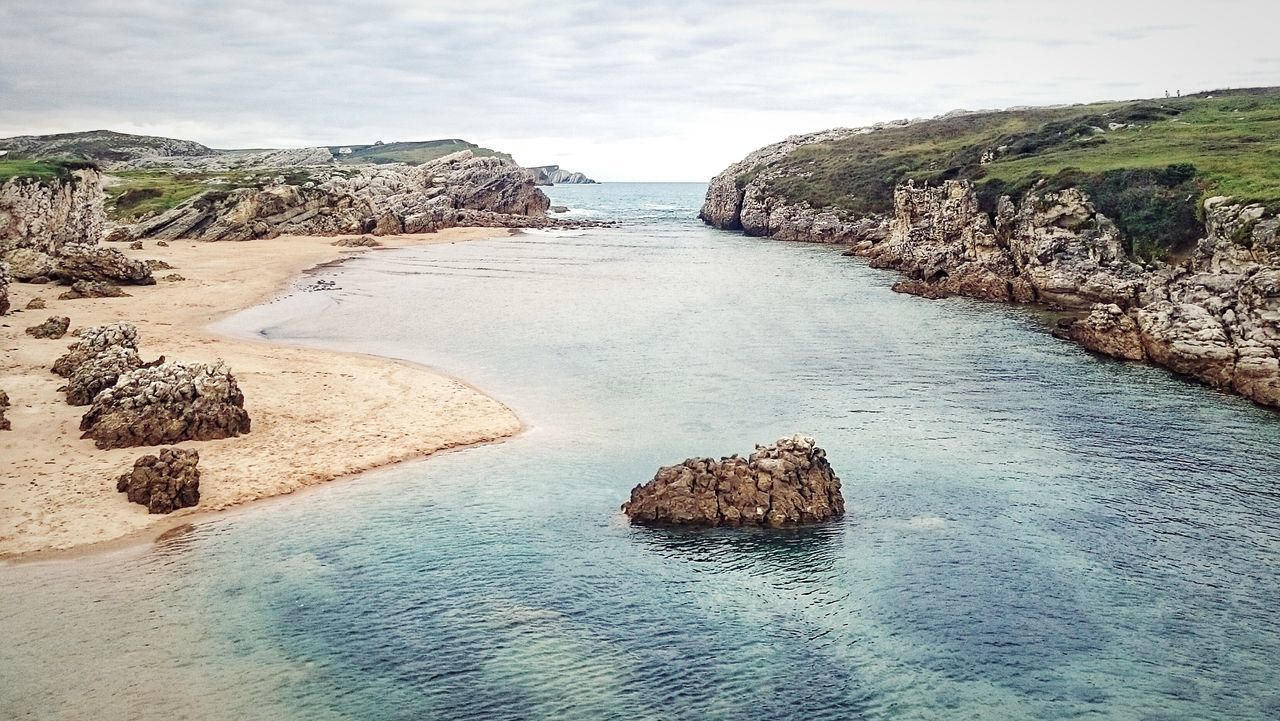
(1212, 314)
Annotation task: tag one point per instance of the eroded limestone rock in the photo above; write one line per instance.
(168, 403)
(5, 425)
(99, 373)
(1109, 330)
(164, 482)
(92, 289)
(787, 483)
(94, 341)
(55, 327)
(101, 264)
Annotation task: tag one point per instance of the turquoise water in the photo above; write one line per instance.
(1033, 532)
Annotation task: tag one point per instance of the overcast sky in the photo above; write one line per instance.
(636, 90)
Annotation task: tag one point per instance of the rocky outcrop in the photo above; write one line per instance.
(5, 424)
(1109, 330)
(92, 289)
(47, 216)
(4, 288)
(99, 373)
(163, 482)
(53, 328)
(168, 403)
(554, 175)
(101, 145)
(30, 265)
(787, 483)
(363, 241)
(94, 341)
(372, 199)
(95, 263)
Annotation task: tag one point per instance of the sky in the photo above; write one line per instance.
(657, 90)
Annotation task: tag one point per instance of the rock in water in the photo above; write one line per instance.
(785, 484)
(55, 327)
(94, 341)
(168, 403)
(164, 482)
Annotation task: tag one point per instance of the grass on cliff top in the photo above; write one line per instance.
(413, 153)
(41, 170)
(1232, 138)
(133, 194)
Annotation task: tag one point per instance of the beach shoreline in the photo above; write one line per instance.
(318, 415)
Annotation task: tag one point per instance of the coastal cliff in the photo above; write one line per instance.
(555, 175)
(47, 214)
(1154, 265)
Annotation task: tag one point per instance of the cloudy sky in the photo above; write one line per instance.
(634, 90)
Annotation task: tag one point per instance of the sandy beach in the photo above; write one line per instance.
(317, 415)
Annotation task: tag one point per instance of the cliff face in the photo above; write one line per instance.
(48, 215)
(555, 175)
(458, 189)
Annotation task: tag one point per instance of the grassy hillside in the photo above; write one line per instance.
(38, 169)
(1146, 163)
(413, 153)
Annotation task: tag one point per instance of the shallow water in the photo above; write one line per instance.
(1033, 532)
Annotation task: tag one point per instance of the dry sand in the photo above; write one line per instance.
(317, 415)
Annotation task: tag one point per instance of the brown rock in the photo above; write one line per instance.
(4, 406)
(36, 304)
(154, 264)
(168, 403)
(787, 483)
(93, 342)
(4, 289)
(1110, 331)
(136, 245)
(94, 263)
(164, 482)
(92, 289)
(364, 241)
(55, 327)
(174, 278)
(99, 373)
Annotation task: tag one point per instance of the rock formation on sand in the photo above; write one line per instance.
(168, 403)
(364, 241)
(92, 289)
(787, 483)
(163, 482)
(54, 328)
(5, 425)
(43, 217)
(4, 288)
(94, 263)
(94, 341)
(99, 373)
(458, 189)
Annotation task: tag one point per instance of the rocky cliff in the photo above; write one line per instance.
(554, 175)
(47, 215)
(1191, 285)
(459, 189)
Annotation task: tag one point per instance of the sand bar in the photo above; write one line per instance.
(317, 415)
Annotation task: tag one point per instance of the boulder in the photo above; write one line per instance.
(27, 264)
(784, 484)
(4, 406)
(92, 289)
(55, 327)
(155, 264)
(4, 289)
(1110, 331)
(94, 341)
(163, 482)
(363, 241)
(94, 263)
(168, 403)
(174, 278)
(36, 304)
(99, 373)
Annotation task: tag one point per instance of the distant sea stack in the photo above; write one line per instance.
(786, 483)
(1176, 264)
(553, 175)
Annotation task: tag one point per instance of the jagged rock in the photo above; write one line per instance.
(27, 264)
(787, 483)
(163, 482)
(554, 175)
(174, 278)
(50, 216)
(92, 289)
(364, 241)
(1109, 330)
(101, 264)
(168, 403)
(5, 425)
(99, 373)
(55, 327)
(4, 289)
(93, 341)
(36, 304)
(155, 264)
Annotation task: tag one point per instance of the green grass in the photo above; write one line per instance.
(1232, 140)
(150, 191)
(41, 170)
(413, 153)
